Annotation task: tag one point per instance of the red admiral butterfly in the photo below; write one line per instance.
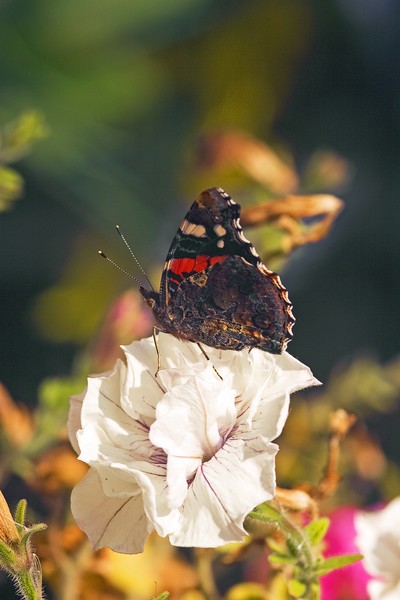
(215, 289)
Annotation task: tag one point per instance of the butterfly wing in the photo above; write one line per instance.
(214, 287)
(232, 305)
(209, 233)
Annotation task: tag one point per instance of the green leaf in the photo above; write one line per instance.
(316, 590)
(275, 546)
(296, 588)
(11, 186)
(336, 562)
(267, 514)
(17, 137)
(282, 559)
(316, 530)
(19, 516)
(293, 546)
(31, 531)
(52, 410)
(8, 559)
(162, 596)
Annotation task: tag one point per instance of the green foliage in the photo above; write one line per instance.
(20, 513)
(282, 559)
(336, 562)
(296, 588)
(267, 513)
(11, 185)
(316, 530)
(162, 596)
(16, 140)
(81, 296)
(52, 412)
(300, 551)
(365, 385)
(7, 556)
(16, 555)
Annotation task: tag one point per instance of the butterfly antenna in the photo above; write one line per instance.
(117, 227)
(119, 268)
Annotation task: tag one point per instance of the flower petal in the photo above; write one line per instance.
(290, 375)
(204, 523)
(120, 524)
(224, 491)
(74, 418)
(152, 480)
(378, 590)
(203, 408)
(140, 391)
(379, 540)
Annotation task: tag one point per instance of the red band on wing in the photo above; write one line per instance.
(186, 266)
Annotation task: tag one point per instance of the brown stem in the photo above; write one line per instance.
(205, 572)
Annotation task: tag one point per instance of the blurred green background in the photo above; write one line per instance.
(123, 92)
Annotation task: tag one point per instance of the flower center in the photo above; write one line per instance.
(159, 456)
(211, 449)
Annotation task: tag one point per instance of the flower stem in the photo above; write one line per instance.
(16, 555)
(27, 587)
(297, 538)
(206, 574)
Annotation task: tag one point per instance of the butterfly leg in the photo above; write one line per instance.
(157, 350)
(208, 358)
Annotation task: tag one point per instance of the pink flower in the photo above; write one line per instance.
(348, 583)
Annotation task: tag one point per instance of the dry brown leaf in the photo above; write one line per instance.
(15, 420)
(57, 468)
(8, 530)
(258, 160)
(288, 213)
(340, 424)
(295, 499)
(366, 454)
(176, 576)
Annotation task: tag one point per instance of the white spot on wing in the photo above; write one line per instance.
(188, 228)
(220, 243)
(219, 230)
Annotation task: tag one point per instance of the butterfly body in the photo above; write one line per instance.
(214, 288)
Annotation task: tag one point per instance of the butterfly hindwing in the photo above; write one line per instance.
(233, 305)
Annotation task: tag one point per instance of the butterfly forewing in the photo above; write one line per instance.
(209, 233)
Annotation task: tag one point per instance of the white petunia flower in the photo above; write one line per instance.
(186, 454)
(378, 539)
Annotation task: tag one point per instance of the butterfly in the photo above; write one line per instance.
(214, 288)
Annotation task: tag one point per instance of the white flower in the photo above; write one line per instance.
(378, 539)
(186, 453)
